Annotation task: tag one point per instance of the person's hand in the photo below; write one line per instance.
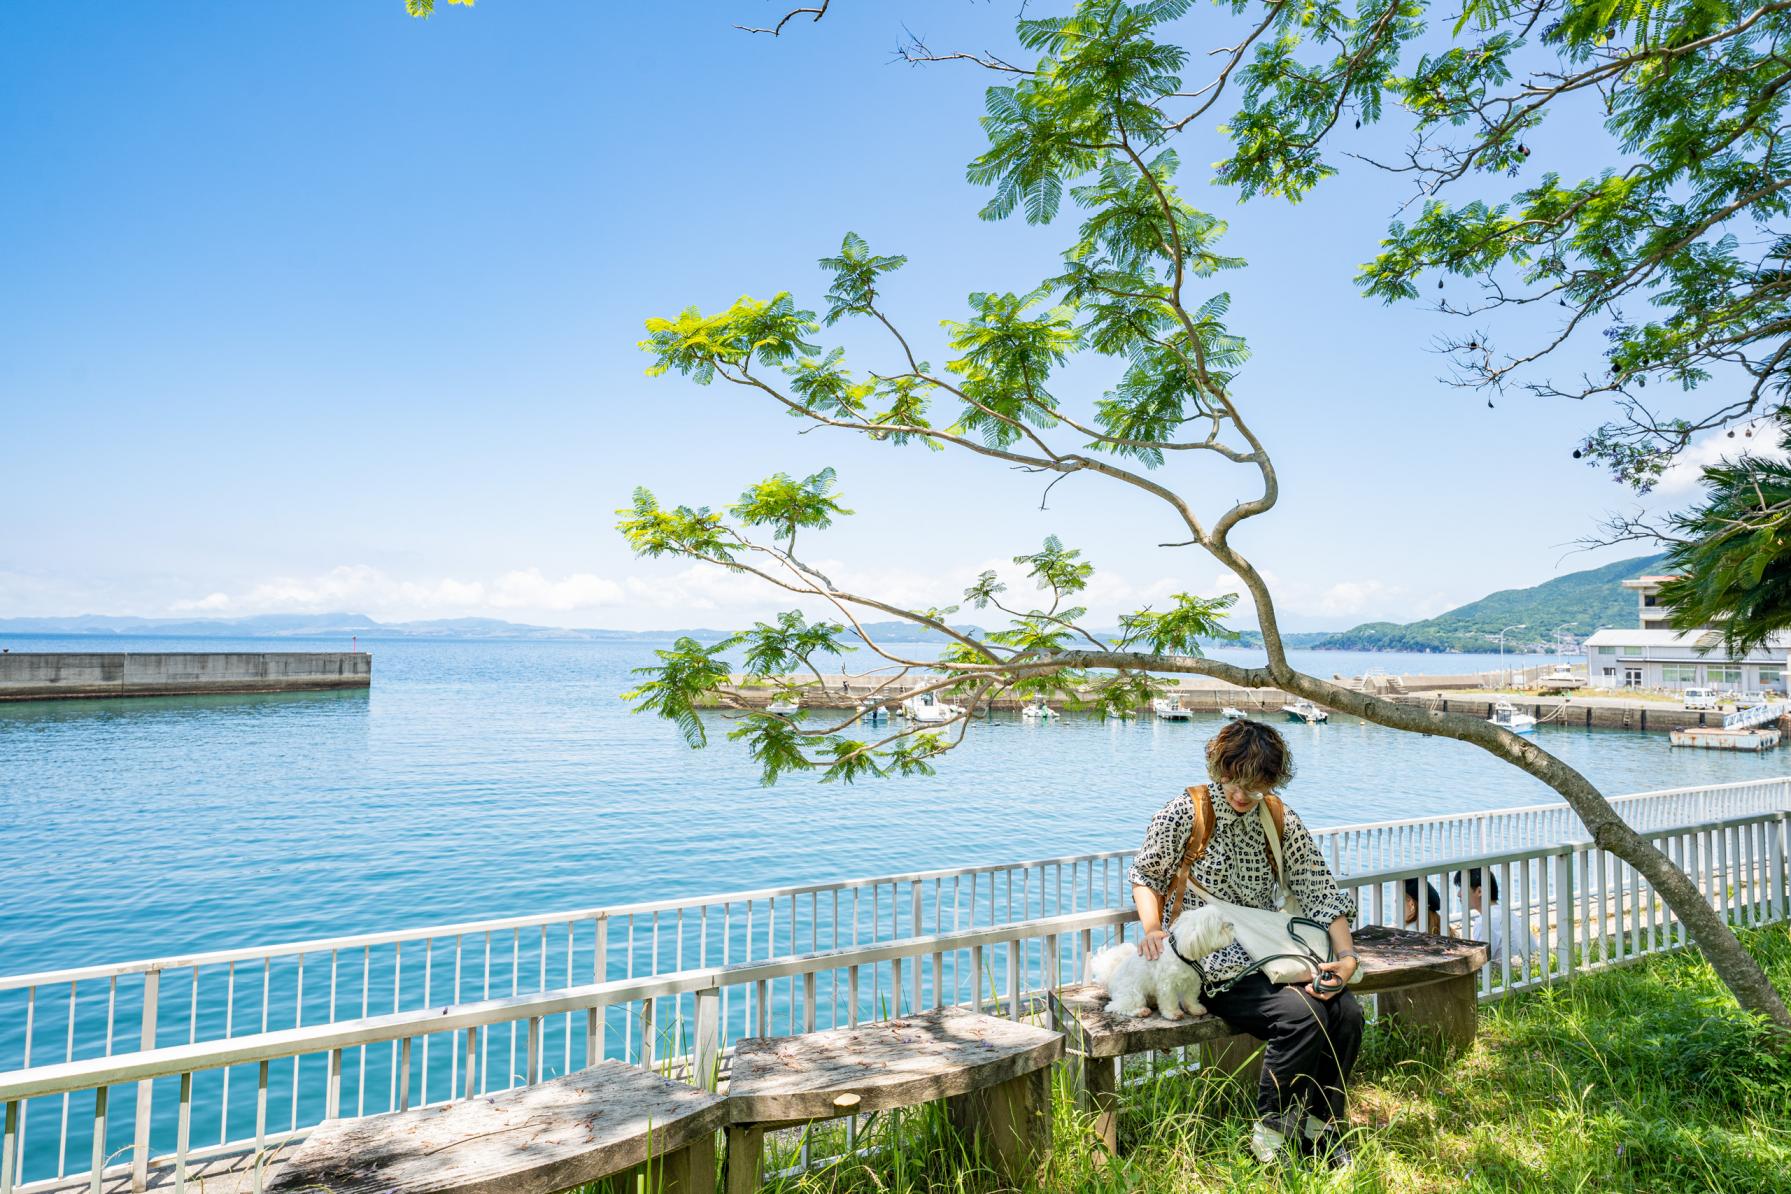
(1152, 944)
(1344, 968)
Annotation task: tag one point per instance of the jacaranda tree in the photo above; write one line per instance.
(1094, 120)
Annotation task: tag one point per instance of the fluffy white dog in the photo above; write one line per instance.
(1134, 983)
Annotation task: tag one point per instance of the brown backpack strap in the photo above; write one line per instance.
(1200, 832)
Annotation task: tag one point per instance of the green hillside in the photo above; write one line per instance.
(1589, 599)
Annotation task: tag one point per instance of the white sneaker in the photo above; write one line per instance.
(1268, 1142)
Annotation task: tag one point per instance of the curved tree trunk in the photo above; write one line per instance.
(1610, 832)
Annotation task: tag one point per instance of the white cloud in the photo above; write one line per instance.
(1686, 473)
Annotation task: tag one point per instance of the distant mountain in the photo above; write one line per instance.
(344, 625)
(1588, 599)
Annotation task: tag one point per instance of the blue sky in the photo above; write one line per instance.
(318, 307)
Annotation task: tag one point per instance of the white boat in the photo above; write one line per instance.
(1037, 710)
(927, 708)
(1562, 679)
(1170, 709)
(871, 710)
(1304, 710)
(1232, 713)
(1506, 717)
(785, 706)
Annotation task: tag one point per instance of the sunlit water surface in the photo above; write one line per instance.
(491, 778)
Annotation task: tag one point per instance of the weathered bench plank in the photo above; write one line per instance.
(892, 1063)
(990, 1071)
(537, 1139)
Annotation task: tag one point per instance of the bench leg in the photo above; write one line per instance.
(687, 1170)
(1447, 1010)
(1012, 1121)
(746, 1153)
(1100, 1088)
(1239, 1055)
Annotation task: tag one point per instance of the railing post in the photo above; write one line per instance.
(1776, 879)
(152, 989)
(332, 1094)
(102, 1099)
(1565, 906)
(9, 1148)
(708, 1038)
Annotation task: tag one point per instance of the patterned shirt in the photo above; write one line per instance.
(1236, 868)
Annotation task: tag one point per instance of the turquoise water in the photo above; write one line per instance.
(491, 778)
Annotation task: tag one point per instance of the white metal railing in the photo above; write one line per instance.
(216, 1053)
(1759, 715)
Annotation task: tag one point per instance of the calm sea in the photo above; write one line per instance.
(492, 778)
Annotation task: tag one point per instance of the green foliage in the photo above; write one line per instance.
(653, 531)
(789, 644)
(1007, 356)
(787, 506)
(1057, 568)
(1180, 629)
(685, 675)
(426, 8)
(776, 743)
(855, 273)
(1734, 570)
(695, 345)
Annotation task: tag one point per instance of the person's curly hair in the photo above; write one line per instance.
(1249, 753)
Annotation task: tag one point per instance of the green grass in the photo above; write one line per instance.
(1640, 1078)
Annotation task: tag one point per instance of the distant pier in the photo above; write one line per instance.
(38, 676)
(1202, 694)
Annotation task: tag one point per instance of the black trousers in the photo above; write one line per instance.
(1312, 1043)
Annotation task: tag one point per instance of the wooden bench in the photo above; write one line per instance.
(609, 1120)
(992, 1073)
(1425, 982)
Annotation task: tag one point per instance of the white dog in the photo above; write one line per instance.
(1134, 983)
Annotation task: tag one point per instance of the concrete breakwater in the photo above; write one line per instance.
(1205, 695)
(30, 676)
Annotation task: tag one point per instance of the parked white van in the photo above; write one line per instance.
(1700, 698)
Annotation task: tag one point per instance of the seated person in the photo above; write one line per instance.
(1433, 908)
(1486, 919)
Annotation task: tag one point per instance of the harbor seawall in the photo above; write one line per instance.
(65, 675)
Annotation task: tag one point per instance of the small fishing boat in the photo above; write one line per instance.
(871, 710)
(1304, 710)
(1506, 717)
(1232, 713)
(1037, 710)
(784, 706)
(928, 709)
(1170, 709)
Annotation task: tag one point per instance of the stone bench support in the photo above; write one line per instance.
(991, 1073)
(612, 1120)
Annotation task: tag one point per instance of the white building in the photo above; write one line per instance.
(1656, 656)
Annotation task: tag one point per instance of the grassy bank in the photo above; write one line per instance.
(1644, 1078)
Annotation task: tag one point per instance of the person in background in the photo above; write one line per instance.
(1486, 919)
(1432, 921)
